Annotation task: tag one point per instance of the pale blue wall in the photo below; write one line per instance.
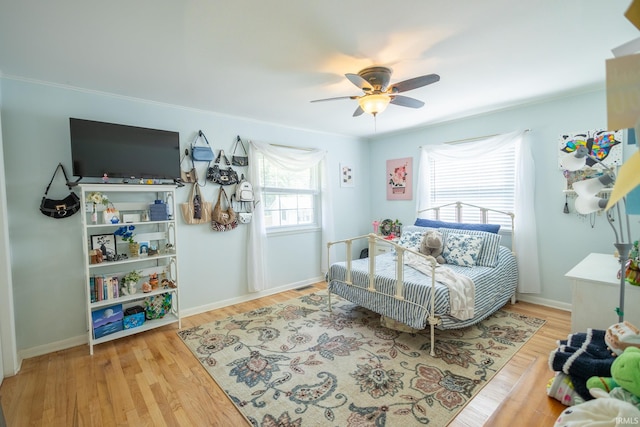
(563, 240)
(46, 255)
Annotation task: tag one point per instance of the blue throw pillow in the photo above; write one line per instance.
(489, 228)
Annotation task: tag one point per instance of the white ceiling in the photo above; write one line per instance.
(266, 59)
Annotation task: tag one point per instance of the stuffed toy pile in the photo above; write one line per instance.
(624, 382)
(432, 244)
(617, 392)
(578, 358)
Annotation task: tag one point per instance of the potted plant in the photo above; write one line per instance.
(130, 282)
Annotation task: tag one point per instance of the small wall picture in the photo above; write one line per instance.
(106, 243)
(346, 175)
(144, 248)
(399, 173)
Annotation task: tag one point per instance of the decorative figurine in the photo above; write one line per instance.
(105, 178)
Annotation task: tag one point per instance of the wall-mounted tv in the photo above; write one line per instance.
(123, 151)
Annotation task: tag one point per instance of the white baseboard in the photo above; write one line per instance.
(51, 347)
(249, 297)
(82, 339)
(545, 302)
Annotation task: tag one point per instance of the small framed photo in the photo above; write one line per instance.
(144, 248)
(346, 175)
(106, 243)
(131, 217)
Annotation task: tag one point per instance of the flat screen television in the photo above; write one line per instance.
(122, 151)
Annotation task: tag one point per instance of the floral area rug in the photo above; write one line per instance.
(296, 364)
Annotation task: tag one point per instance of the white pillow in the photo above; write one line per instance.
(462, 249)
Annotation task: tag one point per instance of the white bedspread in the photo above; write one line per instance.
(462, 290)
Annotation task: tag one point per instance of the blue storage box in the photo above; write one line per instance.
(158, 211)
(107, 320)
(133, 317)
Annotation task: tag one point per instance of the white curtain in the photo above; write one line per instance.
(292, 159)
(525, 234)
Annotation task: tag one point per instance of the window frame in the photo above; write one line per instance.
(314, 192)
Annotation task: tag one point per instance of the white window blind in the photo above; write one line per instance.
(487, 181)
(291, 198)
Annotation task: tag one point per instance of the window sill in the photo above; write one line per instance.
(288, 231)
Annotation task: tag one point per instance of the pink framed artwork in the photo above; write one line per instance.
(399, 173)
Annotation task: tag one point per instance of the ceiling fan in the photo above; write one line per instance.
(378, 94)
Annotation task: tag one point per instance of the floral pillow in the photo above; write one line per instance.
(411, 239)
(462, 249)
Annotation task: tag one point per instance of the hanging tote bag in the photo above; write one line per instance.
(196, 210)
(222, 176)
(188, 176)
(223, 219)
(200, 153)
(238, 159)
(60, 208)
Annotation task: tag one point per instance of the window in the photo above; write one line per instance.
(291, 198)
(487, 181)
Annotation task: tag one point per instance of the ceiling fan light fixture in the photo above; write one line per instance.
(374, 104)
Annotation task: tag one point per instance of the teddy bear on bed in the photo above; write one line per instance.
(432, 244)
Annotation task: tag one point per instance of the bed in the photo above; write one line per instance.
(411, 291)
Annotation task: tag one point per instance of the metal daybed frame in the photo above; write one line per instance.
(373, 239)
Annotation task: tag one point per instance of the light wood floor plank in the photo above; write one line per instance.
(152, 379)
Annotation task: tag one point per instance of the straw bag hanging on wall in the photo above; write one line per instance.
(196, 210)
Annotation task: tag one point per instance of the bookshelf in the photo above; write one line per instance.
(150, 214)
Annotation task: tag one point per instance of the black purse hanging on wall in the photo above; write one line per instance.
(222, 176)
(60, 208)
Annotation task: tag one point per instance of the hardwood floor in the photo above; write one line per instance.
(152, 379)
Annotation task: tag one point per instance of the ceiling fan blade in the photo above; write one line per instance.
(414, 83)
(358, 112)
(333, 99)
(405, 101)
(359, 81)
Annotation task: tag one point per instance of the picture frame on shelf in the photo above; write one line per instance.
(106, 243)
(144, 249)
(131, 217)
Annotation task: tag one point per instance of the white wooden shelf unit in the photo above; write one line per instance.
(131, 199)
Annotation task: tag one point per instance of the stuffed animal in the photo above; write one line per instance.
(620, 336)
(432, 245)
(624, 383)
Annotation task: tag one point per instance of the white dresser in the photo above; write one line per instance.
(595, 293)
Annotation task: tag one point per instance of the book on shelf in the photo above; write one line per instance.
(104, 287)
